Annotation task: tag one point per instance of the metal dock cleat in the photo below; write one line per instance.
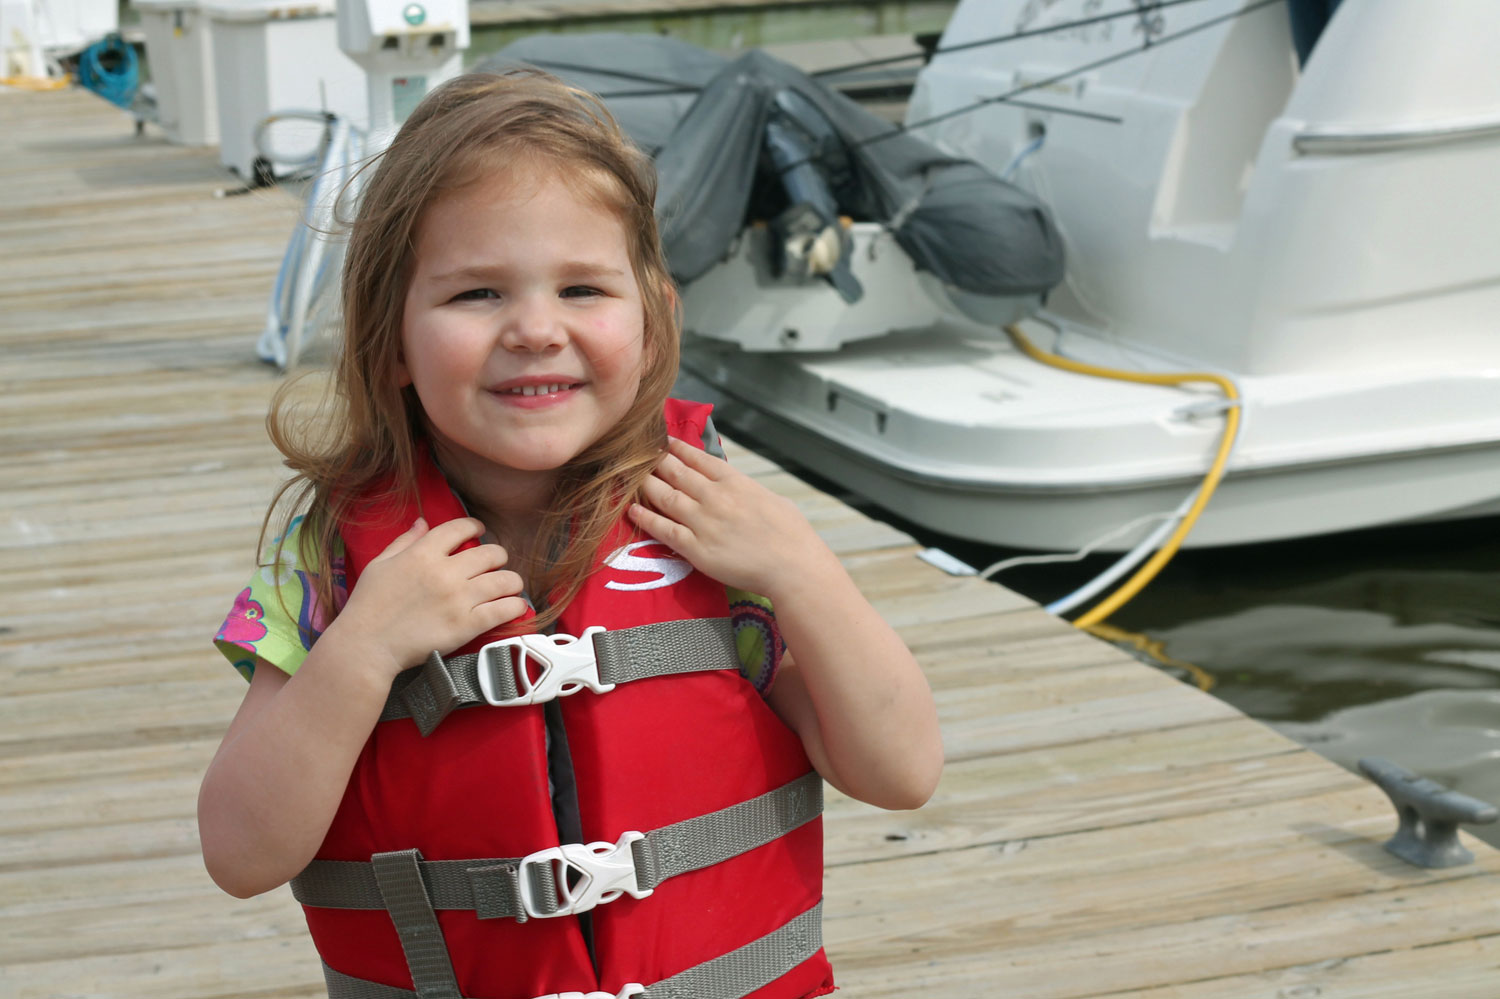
(1430, 814)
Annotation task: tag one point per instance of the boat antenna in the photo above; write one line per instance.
(667, 84)
(681, 87)
(1135, 11)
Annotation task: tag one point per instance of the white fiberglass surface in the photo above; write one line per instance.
(970, 381)
(960, 406)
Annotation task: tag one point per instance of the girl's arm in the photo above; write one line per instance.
(276, 781)
(273, 786)
(849, 687)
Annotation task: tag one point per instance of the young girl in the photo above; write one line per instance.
(417, 754)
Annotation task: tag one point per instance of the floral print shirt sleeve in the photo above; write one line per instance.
(756, 637)
(277, 617)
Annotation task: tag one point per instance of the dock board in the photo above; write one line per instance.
(1100, 830)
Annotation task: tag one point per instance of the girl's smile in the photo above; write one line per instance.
(537, 391)
(523, 327)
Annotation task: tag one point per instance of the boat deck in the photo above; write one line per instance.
(1101, 829)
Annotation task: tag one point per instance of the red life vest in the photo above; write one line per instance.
(645, 755)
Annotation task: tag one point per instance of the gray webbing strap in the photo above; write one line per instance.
(401, 889)
(429, 692)
(666, 648)
(491, 887)
(753, 966)
(730, 976)
(342, 986)
(693, 844)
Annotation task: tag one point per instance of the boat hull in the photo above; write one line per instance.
(984, 479)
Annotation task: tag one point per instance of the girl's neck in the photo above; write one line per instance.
(511, 503)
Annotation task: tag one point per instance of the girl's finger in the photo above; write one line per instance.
(697, 459)
(480, 559)
(663, 529)
(405, 539)
(494, 613)
(452, 533)
(678, 474)
(497, 585)
(667, 498)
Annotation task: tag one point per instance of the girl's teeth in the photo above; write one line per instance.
(538, 389)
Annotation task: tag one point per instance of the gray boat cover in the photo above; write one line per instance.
(704, 118)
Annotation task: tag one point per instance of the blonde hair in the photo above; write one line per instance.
(366, 445)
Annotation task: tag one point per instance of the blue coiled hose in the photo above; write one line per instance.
(110, 69)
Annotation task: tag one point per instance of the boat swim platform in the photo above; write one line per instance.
(1101, 829)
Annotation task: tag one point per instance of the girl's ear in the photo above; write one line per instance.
(403, 376)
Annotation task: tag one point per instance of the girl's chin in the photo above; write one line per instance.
(469, 464)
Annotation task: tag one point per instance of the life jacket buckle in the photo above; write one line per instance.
(575, 877)
(627, 992)
(567, 666)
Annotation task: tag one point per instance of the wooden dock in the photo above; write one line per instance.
(1101, 829)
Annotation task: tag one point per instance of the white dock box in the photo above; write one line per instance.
(273, 55)
(179, 47)
(31, 31)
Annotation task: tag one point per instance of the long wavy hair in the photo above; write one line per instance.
(361, 443)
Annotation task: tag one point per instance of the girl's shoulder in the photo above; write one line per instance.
(277, 616)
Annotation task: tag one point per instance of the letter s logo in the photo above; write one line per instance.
(668, 570)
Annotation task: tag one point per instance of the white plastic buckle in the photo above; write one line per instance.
(567, 666)
(627, 992)
(604, 871)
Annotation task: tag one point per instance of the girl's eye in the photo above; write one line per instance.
(475, 295)
(580, 291)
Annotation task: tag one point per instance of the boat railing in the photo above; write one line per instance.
(1340, 140)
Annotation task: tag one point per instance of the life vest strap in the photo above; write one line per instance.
(493, 888)
(402, 891)
(500, 673)
(730, 976)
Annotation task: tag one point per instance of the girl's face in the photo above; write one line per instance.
(523, 328)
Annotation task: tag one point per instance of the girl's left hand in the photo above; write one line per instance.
(725, 523)
(848, 687)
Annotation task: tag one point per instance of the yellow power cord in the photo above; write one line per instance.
(1155, 648)
(1164, 554)
(36, 82)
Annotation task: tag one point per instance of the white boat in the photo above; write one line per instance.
(1328, 237)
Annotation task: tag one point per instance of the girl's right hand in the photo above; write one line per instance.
(421, 594)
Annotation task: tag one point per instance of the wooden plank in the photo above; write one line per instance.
(1074, 916)
(268, 967)
(1466, 969)
(1128, 780)
(1157, 956)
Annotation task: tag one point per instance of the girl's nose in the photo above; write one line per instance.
(533, 325)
